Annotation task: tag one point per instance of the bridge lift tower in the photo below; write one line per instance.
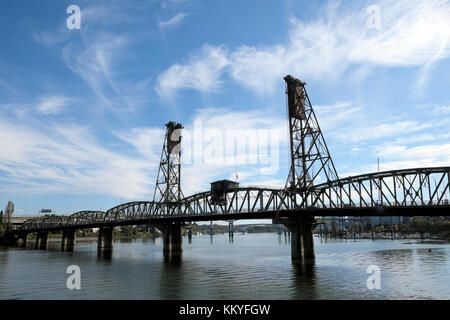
(168, 188)
(310, 159)
(310, 162)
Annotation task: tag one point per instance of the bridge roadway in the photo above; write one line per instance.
(423, 192)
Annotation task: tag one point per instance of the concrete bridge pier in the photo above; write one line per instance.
(105, 241)
(172, 241)
(190, 235)
(68, 240)
(23, 239)
(36, 244)
(302, 242)
(41, 240)
(230, 230)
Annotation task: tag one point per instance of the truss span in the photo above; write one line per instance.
(400, 188)
(423, 187)
(60, 222)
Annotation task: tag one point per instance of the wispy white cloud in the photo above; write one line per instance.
(239, 128)
(51, 37)
(210, 146)
(102, 15)
(416, 152)
(69, 160)
(95, 64)
(411, 34)
(402, 157)
(202, 72)
(442, 109)
(174, 21)
(437, 109)
(147, 141)
(96, 54)
(52, 104)
(407, 140)
(57, 158)
(384, 130)
(422, 138)
(331, 116)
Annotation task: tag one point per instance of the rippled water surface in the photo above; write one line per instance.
(254, 266)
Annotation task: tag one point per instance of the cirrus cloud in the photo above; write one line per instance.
(411, 35)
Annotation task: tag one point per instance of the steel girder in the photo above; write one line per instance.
(43, 222)
(401, 188)
(397, 188)
(84, 217)
(54, 221)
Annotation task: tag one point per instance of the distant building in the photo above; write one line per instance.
(341, 223)
(388, 220)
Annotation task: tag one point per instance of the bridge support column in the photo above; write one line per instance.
(105, 241)
(23, 240)
(36, 244)
(190, 235)
(230, 230)
(68, 240)
(173, 241)
(302, 242)
(41, 240)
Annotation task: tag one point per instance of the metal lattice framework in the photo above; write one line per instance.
(167, 188)
(409, 187)
(397, 192)
(421, 191)
(310, 158)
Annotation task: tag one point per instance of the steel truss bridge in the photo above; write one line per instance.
(409, 192)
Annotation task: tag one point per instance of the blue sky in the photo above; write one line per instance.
(82, 111)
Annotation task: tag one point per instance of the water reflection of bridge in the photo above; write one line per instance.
(406, 192)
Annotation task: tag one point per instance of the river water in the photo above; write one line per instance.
(254, 266)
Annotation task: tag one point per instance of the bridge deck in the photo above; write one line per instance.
(317, 212)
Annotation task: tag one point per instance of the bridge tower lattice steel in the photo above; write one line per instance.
(168, 188)
(310, 158)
